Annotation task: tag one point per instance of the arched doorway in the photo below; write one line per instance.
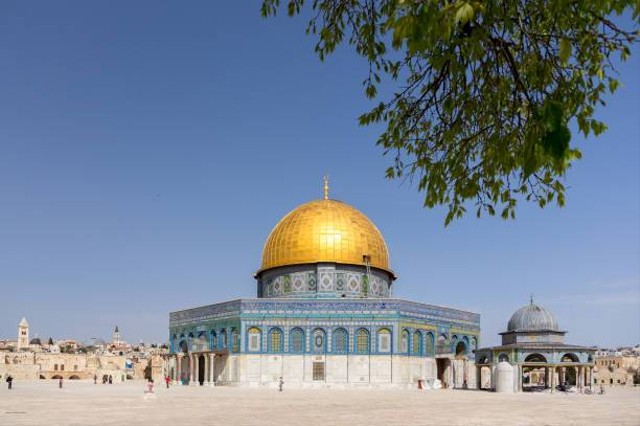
(443, 370)
(569, 373)
(201, 369)
(535, 374)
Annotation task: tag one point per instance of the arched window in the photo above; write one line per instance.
(223, 339)
(429, 348)
(318, 343)
(340, 341)
(503, 357)
(254, 339)
(235, 340)
(362, 341)
(275, 340)
(213, 340)
(461, 348)
(417, 343)
(442, 346)
(296, 341)
(404, 342)
(384, 340)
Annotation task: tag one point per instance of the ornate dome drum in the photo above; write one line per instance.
(325, 248)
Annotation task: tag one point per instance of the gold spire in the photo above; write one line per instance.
(326, 187)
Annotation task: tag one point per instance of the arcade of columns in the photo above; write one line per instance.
(553, 375)
(194, 362)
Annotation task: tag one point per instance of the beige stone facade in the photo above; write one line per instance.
(616, 370)
(31, 360)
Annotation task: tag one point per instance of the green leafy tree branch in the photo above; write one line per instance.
(485, 90)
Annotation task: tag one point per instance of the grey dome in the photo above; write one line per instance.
(35, 341)
(532, 318)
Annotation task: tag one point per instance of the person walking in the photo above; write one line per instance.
(167, 380)
(280, 384)
(9, 382)
(60, 383)
(95, 379)
(110, 379)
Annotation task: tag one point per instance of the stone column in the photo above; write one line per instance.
(552, 378)
(547, 377)
(191, 369)
(519, 381)
(581, 369)
(212, 366)
(196, 368)
(178, 367)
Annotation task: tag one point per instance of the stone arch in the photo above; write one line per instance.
(296, 341)
(503, 357)
(42, 377)
(340, 341)
(363, 341)
(569, 357)
(184, 346)
(56, 377)
(461, 348)
(535, 358)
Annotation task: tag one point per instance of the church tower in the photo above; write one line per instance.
(23, 334)
(116, 340)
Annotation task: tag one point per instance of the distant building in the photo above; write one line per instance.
(23, 335)
(616, 370)
(65, 359)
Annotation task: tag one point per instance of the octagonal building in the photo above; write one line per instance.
(324, 316)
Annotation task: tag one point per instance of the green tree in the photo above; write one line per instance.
(484, 90)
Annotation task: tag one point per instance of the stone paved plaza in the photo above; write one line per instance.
(83, 403)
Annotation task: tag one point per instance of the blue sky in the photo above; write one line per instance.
(148, 148)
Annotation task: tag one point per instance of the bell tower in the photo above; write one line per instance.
(116, 339)
(23, 334)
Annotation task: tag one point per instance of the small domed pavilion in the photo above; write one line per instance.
(534, 346)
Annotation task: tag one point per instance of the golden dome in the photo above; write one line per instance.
(325, 231)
